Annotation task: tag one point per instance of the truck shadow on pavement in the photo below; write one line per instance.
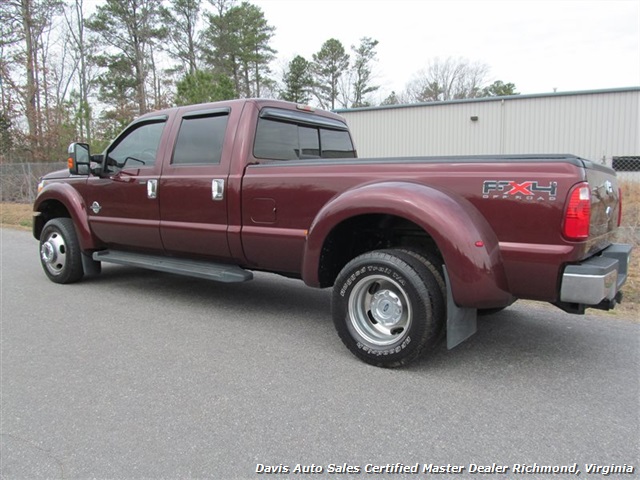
(521, 337)
(269, 294)
(528, 339)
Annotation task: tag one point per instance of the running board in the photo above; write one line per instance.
(192, 268)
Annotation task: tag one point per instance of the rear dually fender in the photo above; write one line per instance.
(465, 240)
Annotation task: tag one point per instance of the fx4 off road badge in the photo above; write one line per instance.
(529, 190)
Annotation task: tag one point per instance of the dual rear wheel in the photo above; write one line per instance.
(389, 306)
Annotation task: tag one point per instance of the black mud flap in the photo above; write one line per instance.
(461, 322)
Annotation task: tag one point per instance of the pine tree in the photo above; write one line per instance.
(238, 46)
(201, 87)
(131, 28)
(364, 55)
(298, 81)
(328, 66)
(181, 21)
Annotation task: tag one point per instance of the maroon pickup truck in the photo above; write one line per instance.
(414, 248)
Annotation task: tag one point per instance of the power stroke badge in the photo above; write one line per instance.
(527, 190)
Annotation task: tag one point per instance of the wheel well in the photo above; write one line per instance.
(365, 233)
(48, 210)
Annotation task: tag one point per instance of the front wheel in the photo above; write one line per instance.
(60, 253)
(387, 308)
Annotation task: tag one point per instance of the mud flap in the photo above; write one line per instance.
(90, 266)
(461, 322)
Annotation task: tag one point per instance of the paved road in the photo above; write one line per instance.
(143, 375)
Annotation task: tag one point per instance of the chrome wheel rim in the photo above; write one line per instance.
(379, 310)
(53, 253)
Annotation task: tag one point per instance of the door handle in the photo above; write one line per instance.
(152, 188)
(217, 189)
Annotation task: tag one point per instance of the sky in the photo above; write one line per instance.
(567, 45)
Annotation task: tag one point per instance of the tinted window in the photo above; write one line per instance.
(139, 147)
(200, 140)
(309, 142)
(336, 144)
(277, 140)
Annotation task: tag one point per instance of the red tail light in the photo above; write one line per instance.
(577, 215)
(619, 207)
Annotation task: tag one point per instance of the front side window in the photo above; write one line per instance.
(138, 148)
(281, 140)
(200, 140)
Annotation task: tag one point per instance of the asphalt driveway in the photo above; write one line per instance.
(136, 374)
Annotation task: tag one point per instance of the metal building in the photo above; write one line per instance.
(599, 125)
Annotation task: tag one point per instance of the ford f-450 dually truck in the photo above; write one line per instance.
(414, 248)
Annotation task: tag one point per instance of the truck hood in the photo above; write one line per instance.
(57, 174)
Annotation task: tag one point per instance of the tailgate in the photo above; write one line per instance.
(605, 202)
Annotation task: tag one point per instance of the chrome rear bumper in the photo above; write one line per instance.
(597, 279)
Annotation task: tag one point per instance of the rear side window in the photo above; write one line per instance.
(280, 140)
(200, 140)
(336, 144)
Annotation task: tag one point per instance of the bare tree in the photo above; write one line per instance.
(82, 47)
(28, 25)
(448, 79)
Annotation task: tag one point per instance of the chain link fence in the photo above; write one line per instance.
(627, 168)
(19, 181)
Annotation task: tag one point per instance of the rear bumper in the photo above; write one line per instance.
(596, 281)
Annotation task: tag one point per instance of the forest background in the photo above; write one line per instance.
(81, 70)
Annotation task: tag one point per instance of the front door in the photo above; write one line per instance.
(123, 210)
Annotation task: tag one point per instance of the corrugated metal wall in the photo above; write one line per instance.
(596, 125)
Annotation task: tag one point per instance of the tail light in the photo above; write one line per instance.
(577, 214)
(619, 207)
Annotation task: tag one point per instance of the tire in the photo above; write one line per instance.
(387, 308)
(60, 253)
(434, 264)
(485, 312)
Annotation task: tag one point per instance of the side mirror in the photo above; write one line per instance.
(79, 160)
(99, 160)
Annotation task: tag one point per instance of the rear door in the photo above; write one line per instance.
(193, 188)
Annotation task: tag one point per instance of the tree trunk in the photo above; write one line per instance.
(140, 78)
(31, 89)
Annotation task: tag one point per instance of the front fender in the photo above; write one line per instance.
(466, 241)
(67, 196)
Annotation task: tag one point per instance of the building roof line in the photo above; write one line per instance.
(489, 99)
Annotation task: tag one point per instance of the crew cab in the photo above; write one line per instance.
(414, 248)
